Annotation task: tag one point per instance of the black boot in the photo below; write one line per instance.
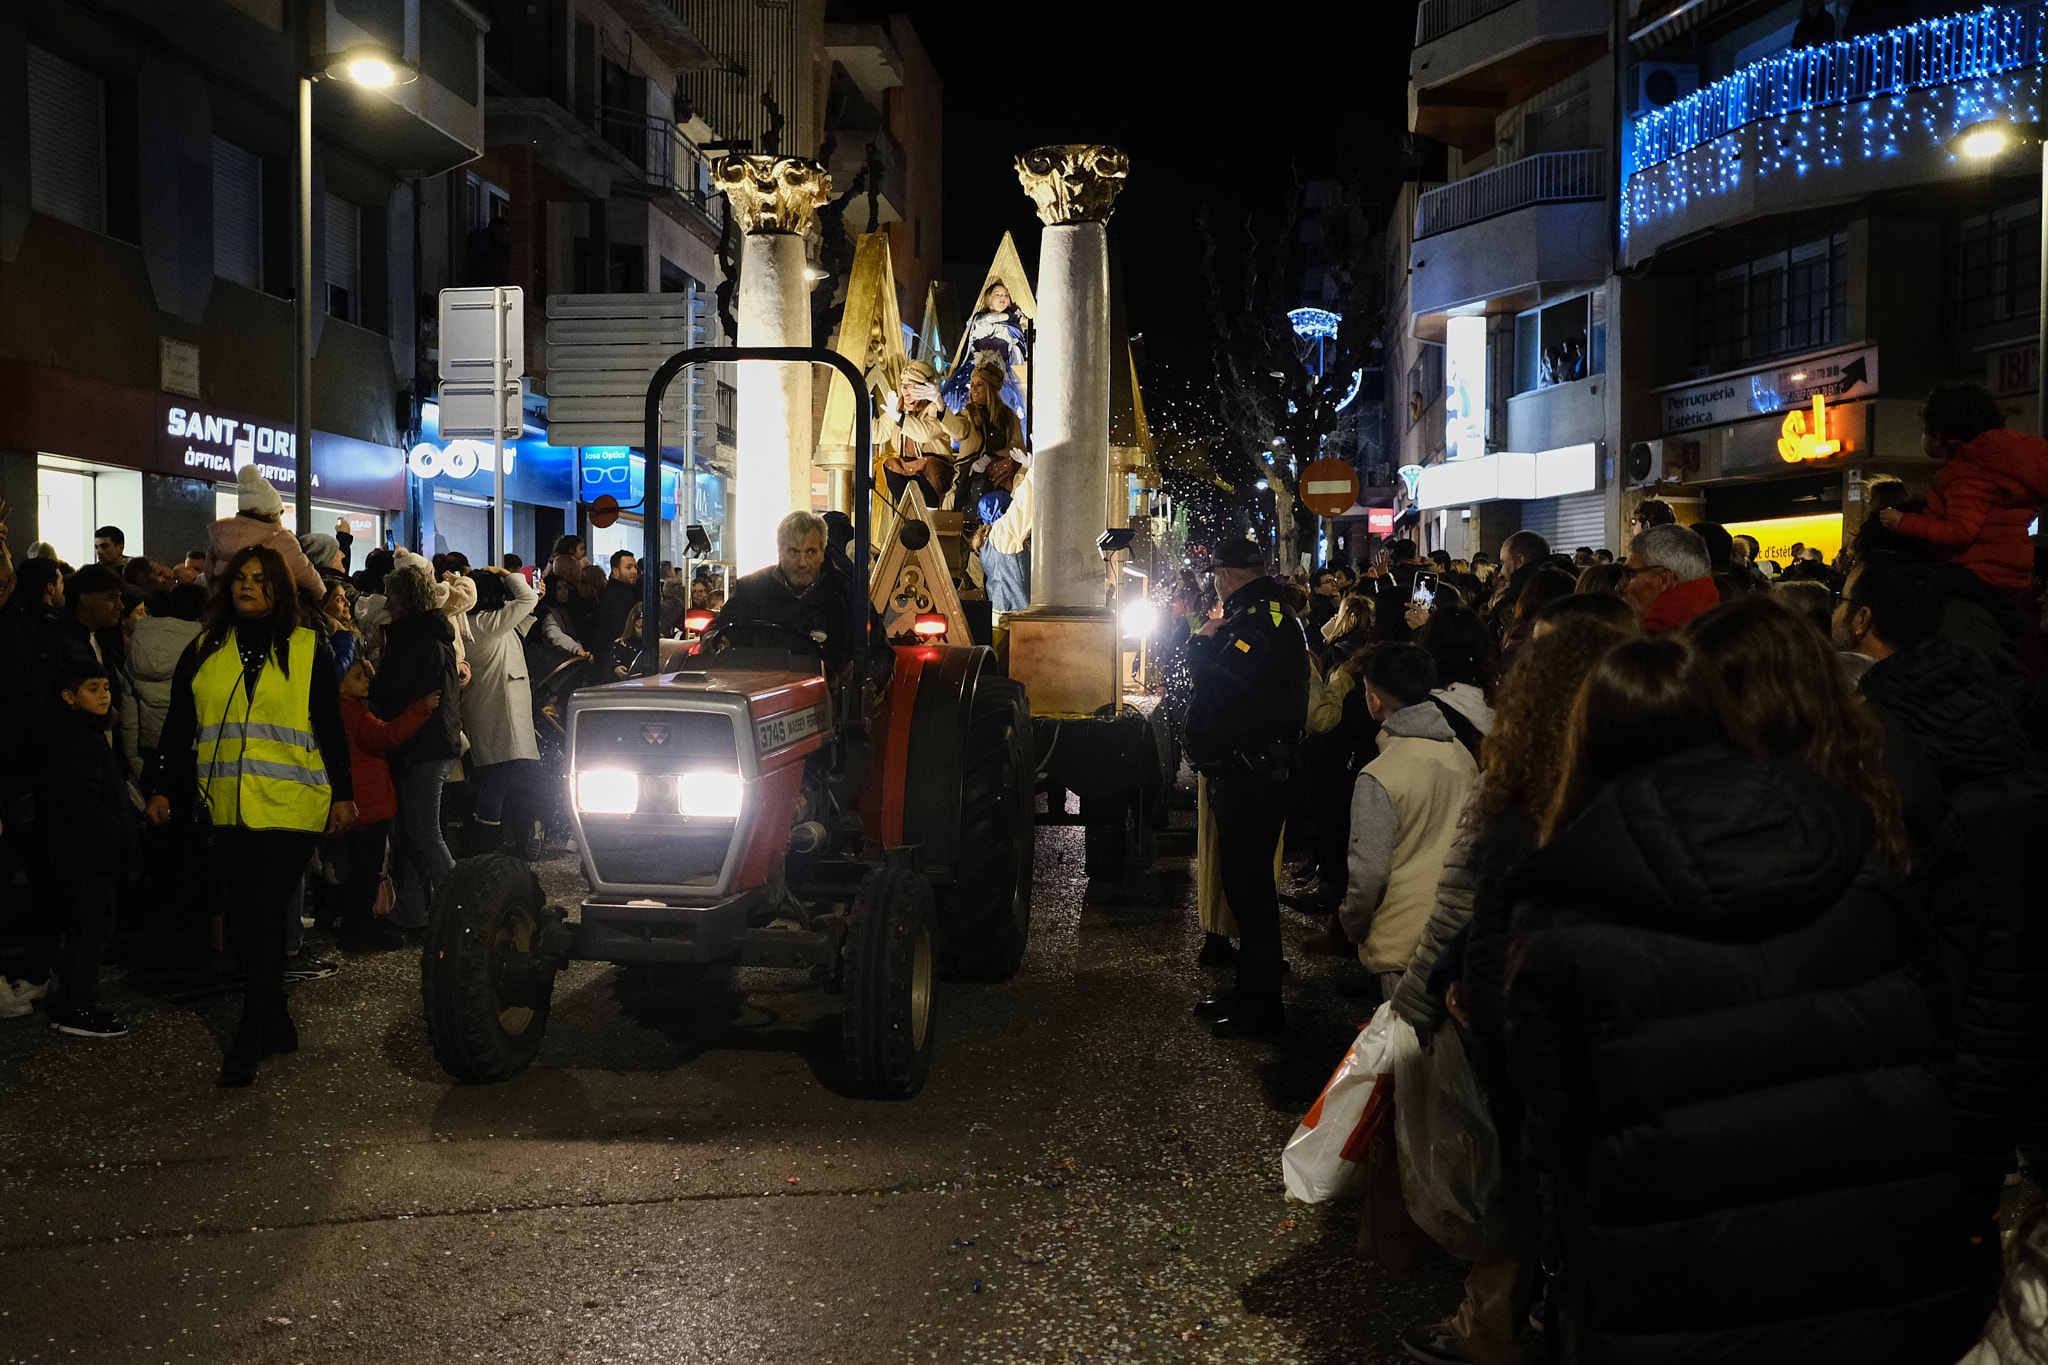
(265, 1030)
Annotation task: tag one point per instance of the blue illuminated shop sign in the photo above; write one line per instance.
(622, 472)
(535, 472)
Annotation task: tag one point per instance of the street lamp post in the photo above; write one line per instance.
(371, 67)
(1982, 141)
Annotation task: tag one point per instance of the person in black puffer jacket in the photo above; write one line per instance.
(418, 659)
(1731, 1067)
(1979, 862)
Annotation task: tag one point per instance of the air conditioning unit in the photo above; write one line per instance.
(1656, 84)
(1661, 461)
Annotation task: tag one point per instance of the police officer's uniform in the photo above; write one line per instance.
(1244, 726)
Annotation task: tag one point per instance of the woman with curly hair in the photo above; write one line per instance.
(1468, 933)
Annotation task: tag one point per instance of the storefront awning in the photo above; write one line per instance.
(1510, 474)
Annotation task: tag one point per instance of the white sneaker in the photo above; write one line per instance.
(25, 991)
(12, 1006)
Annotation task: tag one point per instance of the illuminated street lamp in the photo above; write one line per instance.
(1982, 142)
(373, 68)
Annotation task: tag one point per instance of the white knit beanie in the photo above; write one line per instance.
(253, 493)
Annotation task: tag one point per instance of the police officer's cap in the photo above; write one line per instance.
(1238, 554)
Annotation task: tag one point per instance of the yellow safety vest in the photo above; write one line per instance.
(259, 763)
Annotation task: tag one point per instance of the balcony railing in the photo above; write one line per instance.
(1548, 178)
(1437, 17)
(670, 163)
(1952, 50)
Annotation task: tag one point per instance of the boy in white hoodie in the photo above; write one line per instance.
(1404, 812)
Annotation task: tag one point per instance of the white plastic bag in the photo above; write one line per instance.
(1449, 1153)
(1326, 1157)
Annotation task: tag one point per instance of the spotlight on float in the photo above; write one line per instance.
(1140, 619)
(698, 620)
(929, 625)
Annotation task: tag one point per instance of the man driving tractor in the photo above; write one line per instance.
(800, 592)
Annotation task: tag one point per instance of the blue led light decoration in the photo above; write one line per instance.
(1314, 330)
(1971, 67)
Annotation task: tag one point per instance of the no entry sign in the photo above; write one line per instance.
(1329, 487)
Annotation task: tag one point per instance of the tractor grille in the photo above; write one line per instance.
(656, 741)
(639, 851)
(657, 849)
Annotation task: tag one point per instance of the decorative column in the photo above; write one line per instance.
(772, 199)
(1075, 187)
(1064, 648)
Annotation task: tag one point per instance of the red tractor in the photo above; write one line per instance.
(735, 806)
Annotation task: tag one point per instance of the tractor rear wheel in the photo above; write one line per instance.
(483, 981)
(987, 914)
(891, 973)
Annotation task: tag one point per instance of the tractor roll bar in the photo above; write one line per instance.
(650, 492)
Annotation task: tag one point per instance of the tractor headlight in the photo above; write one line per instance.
(607, 791)
(711, 796)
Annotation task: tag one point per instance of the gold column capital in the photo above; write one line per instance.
(1073, 182)
(772, 193)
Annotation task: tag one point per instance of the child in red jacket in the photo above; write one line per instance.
(1989, 490)
(369, 739)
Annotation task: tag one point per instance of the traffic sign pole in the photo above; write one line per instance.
(480, 382)
(498, 512)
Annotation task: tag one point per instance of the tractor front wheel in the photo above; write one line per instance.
(891, 972)
(483, 980)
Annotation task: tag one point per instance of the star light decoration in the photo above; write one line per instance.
(1976, 66)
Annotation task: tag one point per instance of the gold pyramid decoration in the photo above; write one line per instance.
(908, 583)
(871, 336)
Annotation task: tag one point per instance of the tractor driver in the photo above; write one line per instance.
(800, 591)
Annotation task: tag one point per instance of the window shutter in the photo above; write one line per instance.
(1568, 522)
(237, 215)
(66, 142)
(344, 259)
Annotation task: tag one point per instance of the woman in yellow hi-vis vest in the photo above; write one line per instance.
(253, 744)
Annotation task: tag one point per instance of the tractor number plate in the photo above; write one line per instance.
(777, 731)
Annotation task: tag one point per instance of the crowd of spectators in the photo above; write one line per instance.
(133, 775)
(1722, 872)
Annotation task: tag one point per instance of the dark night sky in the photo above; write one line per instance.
(1211, 103)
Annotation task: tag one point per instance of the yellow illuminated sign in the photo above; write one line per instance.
(1802, 438)
(1779, 534)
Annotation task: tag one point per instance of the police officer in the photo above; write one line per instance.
(1250, 674)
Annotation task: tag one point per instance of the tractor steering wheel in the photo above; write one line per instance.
(720, 638)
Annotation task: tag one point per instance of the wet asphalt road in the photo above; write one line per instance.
(1087, 1176)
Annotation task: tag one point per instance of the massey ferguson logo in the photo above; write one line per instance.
(654, 736)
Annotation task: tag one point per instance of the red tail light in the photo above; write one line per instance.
(930, 625)
(697, 622)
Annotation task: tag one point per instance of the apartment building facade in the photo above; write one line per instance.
(147, 214)
(146, 242)
(1727, 252)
